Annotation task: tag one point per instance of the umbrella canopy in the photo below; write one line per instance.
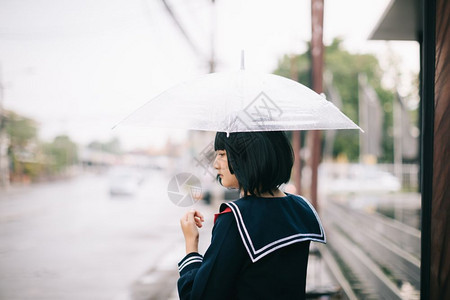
(240, 101)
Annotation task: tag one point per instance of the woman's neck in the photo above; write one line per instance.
(276, 194)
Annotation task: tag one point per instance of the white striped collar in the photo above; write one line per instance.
(262, 238)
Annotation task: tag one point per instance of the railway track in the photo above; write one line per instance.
(371, 256)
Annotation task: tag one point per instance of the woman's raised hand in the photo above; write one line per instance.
(189, 223)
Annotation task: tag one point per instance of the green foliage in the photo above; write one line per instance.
(61, 153)
(345, 67)
(20, 130)
(112, 146)
(22, 134)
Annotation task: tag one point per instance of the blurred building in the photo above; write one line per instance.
(408, 131)
(370, 120)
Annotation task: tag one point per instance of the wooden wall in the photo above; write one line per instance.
(440, 208)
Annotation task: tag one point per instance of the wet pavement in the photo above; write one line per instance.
(72, 240)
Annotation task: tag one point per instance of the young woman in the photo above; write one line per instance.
(260, 242)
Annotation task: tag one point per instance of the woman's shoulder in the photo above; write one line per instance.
(291, 209)
(292, 213)
(267, 224)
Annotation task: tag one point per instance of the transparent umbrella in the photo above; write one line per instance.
(240, 101)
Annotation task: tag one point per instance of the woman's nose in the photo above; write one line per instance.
(216, 163)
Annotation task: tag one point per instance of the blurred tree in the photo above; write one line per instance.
(95, 145)
(31, 159)
(60, 153)
(21, 130)
(345, 67)
(22, 133)
(112, 146)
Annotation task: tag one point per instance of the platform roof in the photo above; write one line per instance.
(400, 21)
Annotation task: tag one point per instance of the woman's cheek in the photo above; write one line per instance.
(225, 181)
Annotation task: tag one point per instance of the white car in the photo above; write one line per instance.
(355, 178)
(124, 182)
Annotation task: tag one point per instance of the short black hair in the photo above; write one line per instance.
(261, 161)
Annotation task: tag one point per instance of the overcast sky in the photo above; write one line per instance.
(78, 67)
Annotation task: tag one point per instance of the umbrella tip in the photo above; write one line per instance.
(228, 134)
(242, 59)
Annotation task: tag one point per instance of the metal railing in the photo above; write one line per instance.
(381, 255)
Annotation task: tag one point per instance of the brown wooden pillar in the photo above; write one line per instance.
(435, 158)
(440, 205)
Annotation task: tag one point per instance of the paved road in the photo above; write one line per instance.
(72, 240)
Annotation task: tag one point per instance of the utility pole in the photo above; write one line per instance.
(212, 60)
(4, 163)
(296, 139)
(317, 85)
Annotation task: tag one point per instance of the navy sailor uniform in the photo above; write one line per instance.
(259, 250)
